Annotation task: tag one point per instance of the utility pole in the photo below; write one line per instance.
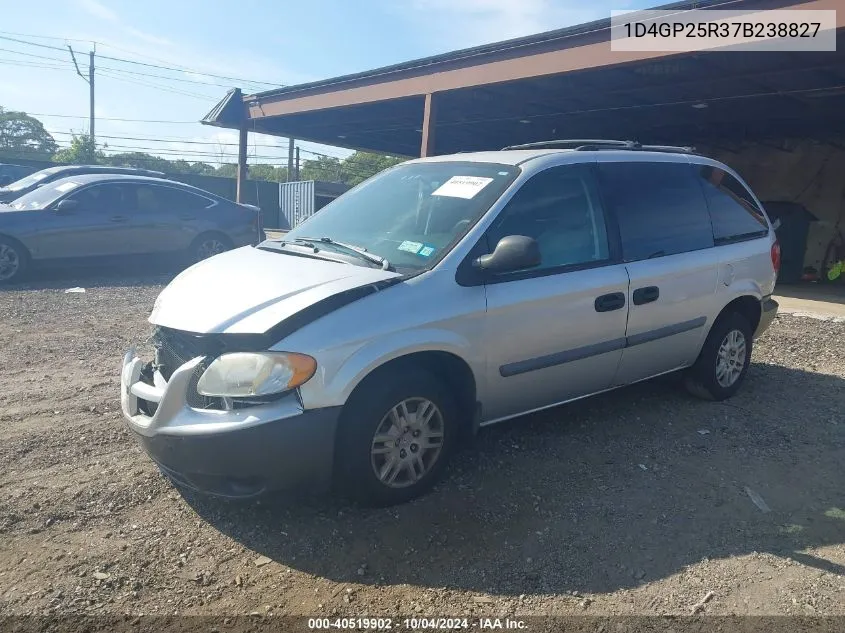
(90, 80)
(91, 96)
(290, 159)
(297, 162)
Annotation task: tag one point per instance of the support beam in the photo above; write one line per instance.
(428, 125)
(242, 138)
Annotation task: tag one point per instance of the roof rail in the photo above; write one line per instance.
(601, 144)
(575, 143)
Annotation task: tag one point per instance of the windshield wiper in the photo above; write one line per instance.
(358, 251)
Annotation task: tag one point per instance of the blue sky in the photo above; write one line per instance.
(281, 42)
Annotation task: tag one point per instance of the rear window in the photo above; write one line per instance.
(735, 214)
(659, 206)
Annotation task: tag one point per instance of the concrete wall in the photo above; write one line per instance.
(809, 172)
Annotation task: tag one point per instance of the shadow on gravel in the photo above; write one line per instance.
(594, 496)
(134, 273)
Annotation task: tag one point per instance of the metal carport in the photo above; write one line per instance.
(568, 83)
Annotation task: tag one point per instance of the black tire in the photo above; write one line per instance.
(701, 379)
(14, 261)
(199, 249)
(363, 417)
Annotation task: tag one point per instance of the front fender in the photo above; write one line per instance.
(342, 371)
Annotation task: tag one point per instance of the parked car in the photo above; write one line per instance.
(10, 173)
(109, 216)
(446, 294)
(32, 181)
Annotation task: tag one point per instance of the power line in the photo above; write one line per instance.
(158, 66)
(193, 141)
(156, 86)
(46, 37)
(24, 64)
(24, 53)
(103, 118)
(221, 157)
(121, 70)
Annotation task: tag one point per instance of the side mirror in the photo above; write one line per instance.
(66, 205)
(513, 252)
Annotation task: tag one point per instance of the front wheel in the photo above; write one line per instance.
(395, 437)
(724, 359)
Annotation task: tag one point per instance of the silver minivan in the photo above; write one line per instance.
(442, 295)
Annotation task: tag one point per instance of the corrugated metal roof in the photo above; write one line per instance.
(228, 112)
(494, 48)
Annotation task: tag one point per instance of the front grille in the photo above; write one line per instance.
(174, 349)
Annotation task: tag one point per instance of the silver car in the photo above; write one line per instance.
(446, 294)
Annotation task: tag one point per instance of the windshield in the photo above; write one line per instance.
(44, 196)
(412, 213)
(32, 179)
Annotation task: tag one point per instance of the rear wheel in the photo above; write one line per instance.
(14, 260)
(724, 359)
(395, 437)
(208, 245)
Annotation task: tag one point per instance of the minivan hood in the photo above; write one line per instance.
(249, 290)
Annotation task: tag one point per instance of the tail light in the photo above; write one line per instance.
(776, 256)
(256, 217)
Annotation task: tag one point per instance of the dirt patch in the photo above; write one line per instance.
(642, 501)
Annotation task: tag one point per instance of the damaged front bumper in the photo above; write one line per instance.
(233, 453)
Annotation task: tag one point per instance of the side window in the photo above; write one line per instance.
(659, 206)
(559, 208)
(734, 213)
(147, 199)
(107, 198)
(171, 199)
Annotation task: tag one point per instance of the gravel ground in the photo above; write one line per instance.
(637, 502)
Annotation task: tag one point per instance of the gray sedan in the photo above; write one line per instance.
(107, 216)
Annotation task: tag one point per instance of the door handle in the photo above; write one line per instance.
(646, 295)
(612, 301)
(119, 218)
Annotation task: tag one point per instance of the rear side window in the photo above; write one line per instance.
(660, 208)
(154, 199)
(734, 213)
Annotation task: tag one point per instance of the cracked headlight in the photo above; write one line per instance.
(244, 374)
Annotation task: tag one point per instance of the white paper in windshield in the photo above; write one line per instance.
(66, 186)
(462, 187)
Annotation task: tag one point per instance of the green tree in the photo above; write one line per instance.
(267, 172)
(361, 165)
(323, 168)
(227, 170)
(184, 167)
(24, 136)
(141, 160)
(82, 151)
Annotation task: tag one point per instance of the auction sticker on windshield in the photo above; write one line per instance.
(462, 187)
(410, 247)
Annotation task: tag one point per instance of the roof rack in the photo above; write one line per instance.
(600, 144)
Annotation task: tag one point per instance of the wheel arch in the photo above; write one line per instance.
(212, 233)
(454, 371)
(15, 240)
(748, 306)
